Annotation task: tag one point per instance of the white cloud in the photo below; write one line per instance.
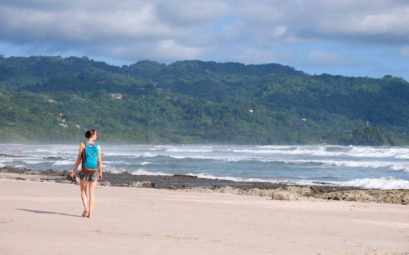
(169, 49)
(279, 31)
(404, 52)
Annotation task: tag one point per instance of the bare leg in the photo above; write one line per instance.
(92, 186)
(84, 198)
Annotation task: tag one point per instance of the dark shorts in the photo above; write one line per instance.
(91, 177)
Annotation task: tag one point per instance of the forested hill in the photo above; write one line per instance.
(54, 99)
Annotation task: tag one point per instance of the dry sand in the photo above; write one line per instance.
(43, 218)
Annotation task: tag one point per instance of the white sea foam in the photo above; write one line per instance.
(149, 155)
(142, 171)
(369, 183)
(109, 162)
(371, 164)
(118, 162)
(275, 147)
(394, 166)
(239, 179)
(63, 162)
(190, 150)
(120, 153)
(234, 179)
(329, 151)
(379, 152)
(214, 157)
(160, 147)
(378, 183)
(343, 162)
(249, 151)
(289, 150)
(252, 152)
(6, 160)
(307, 182)
(136, 154)
(48, 150)
(112, 169)
(117, 154)
(32, 162)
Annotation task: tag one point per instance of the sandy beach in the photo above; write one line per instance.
(44, 218)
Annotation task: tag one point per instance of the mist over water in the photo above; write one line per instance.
(369, 167)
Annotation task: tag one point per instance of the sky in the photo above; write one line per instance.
(341, 37)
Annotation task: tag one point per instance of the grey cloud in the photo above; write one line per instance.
(89, 27)
(82, 25)
(379, 21)
(35, 4)
(184, 29)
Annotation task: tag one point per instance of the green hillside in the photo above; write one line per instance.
(54, 99)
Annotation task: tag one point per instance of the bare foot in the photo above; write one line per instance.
(89, 216)
(85, 213)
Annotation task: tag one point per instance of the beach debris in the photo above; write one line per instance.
(32, 172)
(279, 196)
(104, 183)
(142, 184)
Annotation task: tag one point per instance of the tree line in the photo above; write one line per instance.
(54, 99)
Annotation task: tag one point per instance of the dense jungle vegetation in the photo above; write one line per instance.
(54, 99)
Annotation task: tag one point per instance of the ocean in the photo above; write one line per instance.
(360, 166)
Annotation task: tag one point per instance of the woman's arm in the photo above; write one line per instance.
(99, 163)
(79, 158)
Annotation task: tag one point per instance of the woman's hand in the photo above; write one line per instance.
(99, 175)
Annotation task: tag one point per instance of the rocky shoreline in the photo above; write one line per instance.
(275, 191)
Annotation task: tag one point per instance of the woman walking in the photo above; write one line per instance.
(91, 170)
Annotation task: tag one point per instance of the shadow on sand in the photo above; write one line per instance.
(47, 212)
